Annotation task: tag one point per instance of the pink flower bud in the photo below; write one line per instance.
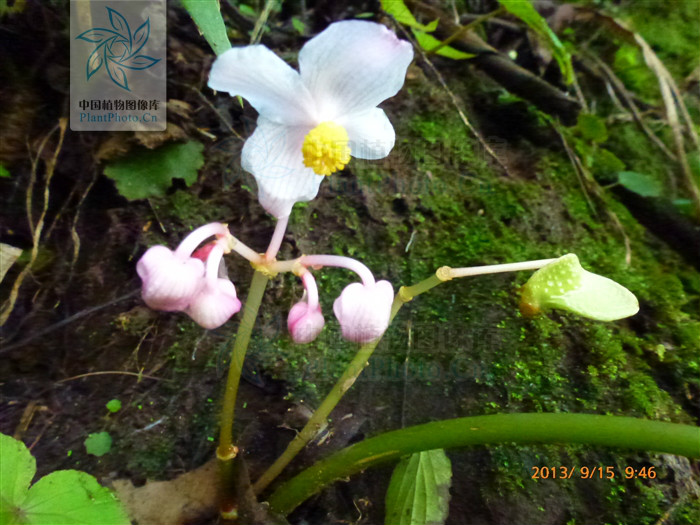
(215, 303)
(169, 281)
(305, 323)
(364, 310)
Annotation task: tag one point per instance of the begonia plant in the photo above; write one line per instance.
(310, 123)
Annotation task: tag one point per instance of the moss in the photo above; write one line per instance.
(686, 514)
(185, 209)
(677, 49)
(149, 457)
(624, 142)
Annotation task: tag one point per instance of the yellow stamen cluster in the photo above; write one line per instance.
(325, 148)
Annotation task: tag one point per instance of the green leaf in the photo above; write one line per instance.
(246, 10)
(299, 25)
(98, 444)
(64, 497)
(606, 163)
(17, 7)
(17, 469)
(684, 206)
(641, 184)
(68, 497)
(564, 284)
(629, 65)
(524, 11)
(694, 163)
(419, 490)
(429, 42)
(592, 127)
(4, 172)
(403, 15)
(207, 15)
(660, 350)
(114, 405)
(627, 56)
(149, 173)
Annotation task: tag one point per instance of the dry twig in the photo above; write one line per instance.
(83, 313)
(211, 106)
(37, 228)
(590, 185)
(109, 372)
(619, 87)
(456, 104)
(673, 101)
(502, 69)
(256, 35)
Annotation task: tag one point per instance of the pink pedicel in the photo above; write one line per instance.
(216, 300)
(305, 320)
(169, 281)
(363, 310)
(305, 323)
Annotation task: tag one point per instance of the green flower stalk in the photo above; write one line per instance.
(595, 430)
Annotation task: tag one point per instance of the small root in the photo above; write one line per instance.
(457, 105)
(37, 228)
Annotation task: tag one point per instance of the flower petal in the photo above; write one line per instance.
(565, 284)
(214, 304)
(273, 155)
(352, 66)
(363, 311)
(271, 86)
(304, 324)
(168, 282)
(371, 134)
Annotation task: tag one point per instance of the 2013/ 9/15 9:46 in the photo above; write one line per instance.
(600, 472)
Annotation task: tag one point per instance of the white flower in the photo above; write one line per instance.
(311, 122)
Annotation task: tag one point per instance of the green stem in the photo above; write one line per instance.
(318, 419)
(361, 360)
(227, 450)
(409, 292)
(609, 431)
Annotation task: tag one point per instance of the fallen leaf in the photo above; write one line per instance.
(153, 139)
(187, 497)
(115, 146)
(192, 496)
(179, 107)
(8, 256)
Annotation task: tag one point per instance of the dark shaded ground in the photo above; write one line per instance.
(438, 199)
